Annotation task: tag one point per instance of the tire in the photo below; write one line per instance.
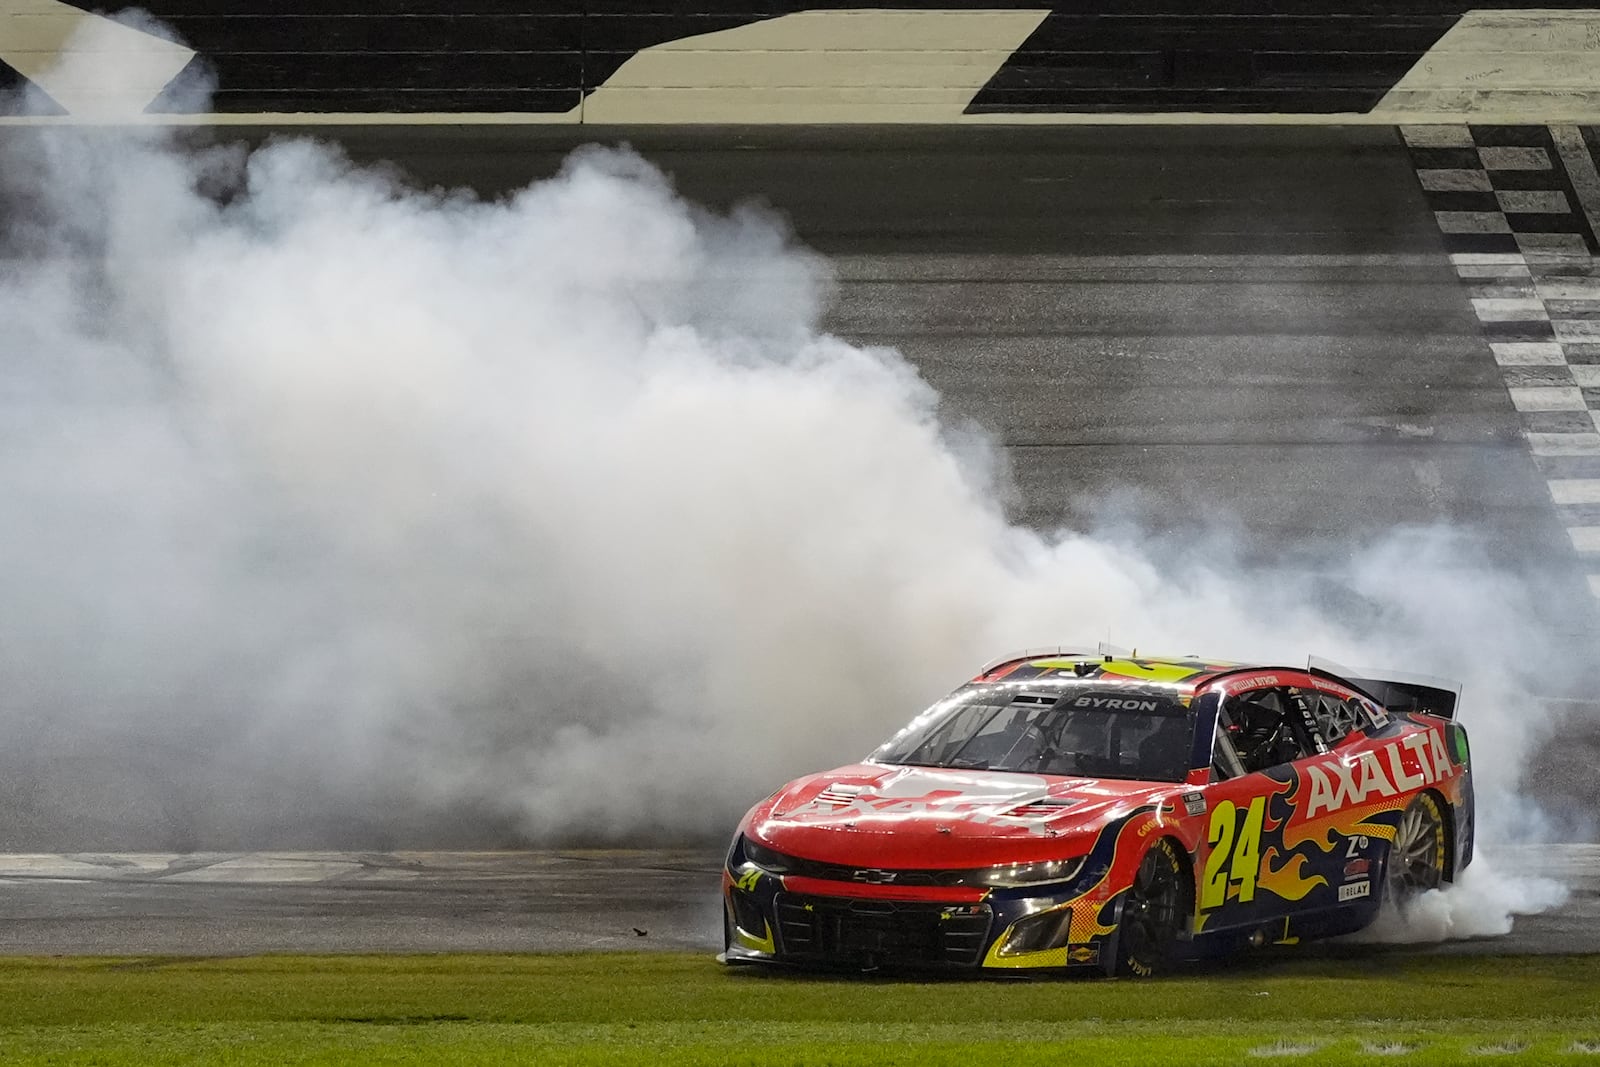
(1153, 913)
(1416, 858)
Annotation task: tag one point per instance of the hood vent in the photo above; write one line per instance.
(839, 795)
(1041, 809)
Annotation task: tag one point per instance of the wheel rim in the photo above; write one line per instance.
(1416, 859)
(1150, 916)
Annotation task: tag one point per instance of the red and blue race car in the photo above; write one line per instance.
(1088, 810)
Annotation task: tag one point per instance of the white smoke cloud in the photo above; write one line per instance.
(342, 512)
(1481, 903)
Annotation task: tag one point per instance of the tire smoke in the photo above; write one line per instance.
(1482, 903)
(340, 513)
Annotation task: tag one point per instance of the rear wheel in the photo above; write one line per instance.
(1153, 913)
(1416, 859)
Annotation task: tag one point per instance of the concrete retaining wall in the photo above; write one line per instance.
(819, 61)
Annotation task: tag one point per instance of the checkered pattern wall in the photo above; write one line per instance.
(1519, 208)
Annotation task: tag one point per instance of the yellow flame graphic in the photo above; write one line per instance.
(1086, 924)
(1286, 880)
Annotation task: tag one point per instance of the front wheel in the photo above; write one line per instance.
(1416, 859)
(1153, 913)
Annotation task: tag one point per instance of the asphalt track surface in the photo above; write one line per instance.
(1251, 327)
(237, 904)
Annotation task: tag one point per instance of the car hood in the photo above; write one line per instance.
(878, 815)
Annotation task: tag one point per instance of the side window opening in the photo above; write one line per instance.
(1225, 761)
(1334, 718)
(1265, 728)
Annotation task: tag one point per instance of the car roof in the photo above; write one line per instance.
(1185, 673)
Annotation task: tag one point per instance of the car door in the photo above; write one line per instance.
(1245, 875)
(1347, 798)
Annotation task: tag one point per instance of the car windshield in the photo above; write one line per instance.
(1093, 730)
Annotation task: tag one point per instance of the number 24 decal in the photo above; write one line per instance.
(1235, 853)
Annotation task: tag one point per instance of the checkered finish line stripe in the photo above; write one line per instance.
(1519, 207)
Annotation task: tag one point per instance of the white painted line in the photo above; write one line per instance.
(1564, 444)
(1499, 158)
(1443, 181)
(1493, 60)
(1547, 398)
(1505, 289)
(1586, 375)
(1553, 247)
(1576, 331)
(1472, 222)
(1558, 288)
(1493, 270)
(92, 66)
(1517, 309)
(818, 67)
(1437, 136)
(1585, 538)
(1594, 585)
(1528, 353)
(1535, 201)
(1567, 491)
(1490, 265)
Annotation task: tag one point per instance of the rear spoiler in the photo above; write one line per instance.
(1396, 692)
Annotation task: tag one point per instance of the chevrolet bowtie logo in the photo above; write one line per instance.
(874, 876)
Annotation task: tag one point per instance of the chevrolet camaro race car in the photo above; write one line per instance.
(1085, 810)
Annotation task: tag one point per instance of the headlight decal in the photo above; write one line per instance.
(1019, 875)
(1040, 932)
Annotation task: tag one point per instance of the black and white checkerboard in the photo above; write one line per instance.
(1519, 207)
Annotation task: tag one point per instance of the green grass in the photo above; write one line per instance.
(647, 1008)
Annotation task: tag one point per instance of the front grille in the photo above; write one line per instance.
(881, 932)
(836, 872)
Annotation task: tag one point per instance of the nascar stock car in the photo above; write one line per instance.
(1091, 810)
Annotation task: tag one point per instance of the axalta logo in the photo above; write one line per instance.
(1115, 704)
(1335, 783)
(977, 810)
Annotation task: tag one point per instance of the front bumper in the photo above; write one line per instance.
(864, 927)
